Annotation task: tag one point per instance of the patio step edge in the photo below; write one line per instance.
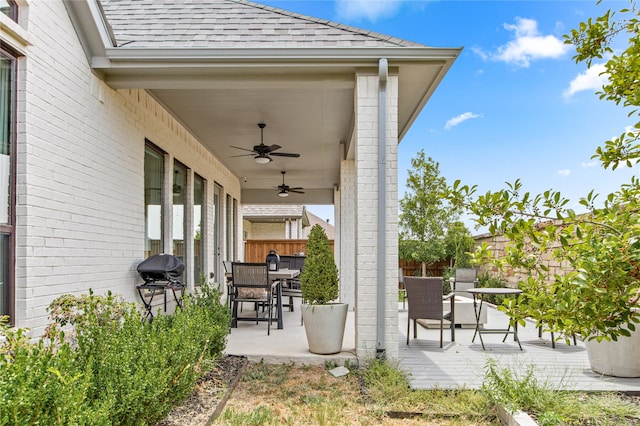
(519, 418)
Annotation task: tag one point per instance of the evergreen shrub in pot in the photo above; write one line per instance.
(324, 319)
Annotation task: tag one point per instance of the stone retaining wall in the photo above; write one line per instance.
(510, 276)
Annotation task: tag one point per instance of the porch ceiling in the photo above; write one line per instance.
(307, 110)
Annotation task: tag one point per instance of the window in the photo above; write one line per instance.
(179, 206)
(7, 211)
(153, 179)
(9, 8)
(198, 213)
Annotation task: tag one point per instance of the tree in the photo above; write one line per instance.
(458, 243)
(600, 298)
(425, 214)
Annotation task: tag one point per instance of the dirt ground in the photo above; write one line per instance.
(208, 394)
(211, 395)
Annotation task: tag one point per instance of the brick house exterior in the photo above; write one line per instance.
(97, 85)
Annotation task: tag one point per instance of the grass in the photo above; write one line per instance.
(288, 394)
(551, 405)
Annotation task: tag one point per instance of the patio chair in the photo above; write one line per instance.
(424, 298)
(464, 279)
(229, 279)
(402, 291)
(251, 283)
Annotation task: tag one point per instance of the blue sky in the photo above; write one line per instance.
(514, 105)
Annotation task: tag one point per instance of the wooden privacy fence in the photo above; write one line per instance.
(257, 250)
(412, 268)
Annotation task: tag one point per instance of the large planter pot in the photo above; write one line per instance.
(619, 359)
(324, 326)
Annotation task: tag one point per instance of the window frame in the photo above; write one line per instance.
(9, 228)
(13, 10)
(162, 154)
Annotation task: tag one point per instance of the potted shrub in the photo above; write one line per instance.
(324, 319)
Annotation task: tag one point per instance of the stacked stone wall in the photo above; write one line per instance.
(512, 276)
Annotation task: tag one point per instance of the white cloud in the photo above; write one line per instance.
(591, 79)
(589, 164)
(528, 45)
(367, 9)
(459, 119)
(564, 172)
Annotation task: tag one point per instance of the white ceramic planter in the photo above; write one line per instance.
(619, 359)
(324, 326)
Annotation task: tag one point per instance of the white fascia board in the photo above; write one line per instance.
(90, 25)
(351, 56)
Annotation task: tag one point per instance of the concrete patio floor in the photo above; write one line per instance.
(458, 364)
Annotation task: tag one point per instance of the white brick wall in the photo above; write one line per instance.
(80, 152)
(366, 213)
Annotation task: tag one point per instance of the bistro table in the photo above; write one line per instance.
(479, 293)
(279, 275)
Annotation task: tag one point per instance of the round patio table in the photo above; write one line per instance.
(480, 293)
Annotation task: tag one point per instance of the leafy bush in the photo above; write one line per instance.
(485, 280)
(103, 364)
(40, 384)
(319, 278)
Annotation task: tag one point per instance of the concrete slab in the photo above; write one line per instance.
(458, 364)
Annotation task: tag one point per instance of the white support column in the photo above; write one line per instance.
(367, 222)
(345, 238)
(189, 264)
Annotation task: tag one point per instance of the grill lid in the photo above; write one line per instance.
(160, 266)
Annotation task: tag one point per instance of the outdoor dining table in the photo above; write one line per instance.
(479, 293)
(280, 275)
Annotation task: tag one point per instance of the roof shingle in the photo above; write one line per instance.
(229, 24)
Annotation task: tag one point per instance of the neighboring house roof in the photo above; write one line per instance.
(229, 23)
(329, 229)
(268, 212)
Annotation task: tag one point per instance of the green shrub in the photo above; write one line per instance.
(101, 363)
(41, 384)
(485, 280)
(319, 278)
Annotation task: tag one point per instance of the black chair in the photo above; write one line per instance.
(424, 297)
(251, 283)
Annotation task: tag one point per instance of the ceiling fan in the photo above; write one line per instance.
(284, 190)
(262, 153)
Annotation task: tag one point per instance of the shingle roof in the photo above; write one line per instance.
(229, 24)
(272, 211)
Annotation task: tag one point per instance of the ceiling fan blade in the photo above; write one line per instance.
(296, 191)
(274, 147)
(297, 188)
(285, 154)
(241, 155)
(244, 149)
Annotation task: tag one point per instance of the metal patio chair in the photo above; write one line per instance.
(464, 279)
(251, 283)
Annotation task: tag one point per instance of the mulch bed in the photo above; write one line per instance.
(209, 395)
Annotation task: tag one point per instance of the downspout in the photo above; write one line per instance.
(383, 73)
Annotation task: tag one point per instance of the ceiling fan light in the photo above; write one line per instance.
(283, 194)
(262, 160)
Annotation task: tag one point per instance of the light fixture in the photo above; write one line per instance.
(283, 194)
(262, 160)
